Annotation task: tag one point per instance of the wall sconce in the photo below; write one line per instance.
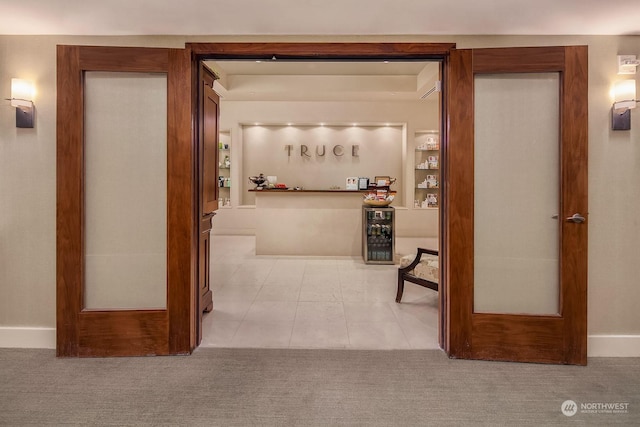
(22, 92)
(625, 99)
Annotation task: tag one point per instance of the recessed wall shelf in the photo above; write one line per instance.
(224, 169)
(427, 169)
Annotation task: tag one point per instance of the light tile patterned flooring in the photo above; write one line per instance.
(307, 302)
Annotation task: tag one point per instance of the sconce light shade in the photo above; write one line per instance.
(22, 92)
(625, 94)
(625, 99)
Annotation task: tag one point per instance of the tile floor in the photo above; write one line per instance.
(307, 302)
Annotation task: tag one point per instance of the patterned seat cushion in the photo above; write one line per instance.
(426, 269)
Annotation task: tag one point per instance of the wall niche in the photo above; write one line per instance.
(321, 156)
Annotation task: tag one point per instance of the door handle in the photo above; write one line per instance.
(576, 218)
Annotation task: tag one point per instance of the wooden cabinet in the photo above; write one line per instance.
(204, 268)
(208, 190)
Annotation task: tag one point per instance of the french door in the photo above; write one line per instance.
(126, 230)
(513, 269)
(516, 204)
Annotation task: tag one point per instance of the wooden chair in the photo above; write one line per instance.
(423, 270)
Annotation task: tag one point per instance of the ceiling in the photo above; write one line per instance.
(278, 80)
(320, 17)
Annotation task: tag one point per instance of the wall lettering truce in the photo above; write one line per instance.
(320, 151)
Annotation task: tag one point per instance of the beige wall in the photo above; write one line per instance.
(419, 115)
(378, 153)
(27, 179)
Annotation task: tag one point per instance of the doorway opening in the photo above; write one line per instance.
(533, 337)
(318, 301)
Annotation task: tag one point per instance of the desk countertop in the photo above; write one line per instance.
(280, 191)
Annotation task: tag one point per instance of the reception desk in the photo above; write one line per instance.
(308, 222)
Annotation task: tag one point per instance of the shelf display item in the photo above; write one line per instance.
(431, 181)
(432, 162)
(432, 200)
(430, 142)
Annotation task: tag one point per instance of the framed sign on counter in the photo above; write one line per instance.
(352, 183)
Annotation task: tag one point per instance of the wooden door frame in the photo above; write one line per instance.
(354, 52)
(183, 186)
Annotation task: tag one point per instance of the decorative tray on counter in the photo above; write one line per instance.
(377, 203)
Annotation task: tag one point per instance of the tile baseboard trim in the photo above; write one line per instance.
(24, 337)
(613, 346)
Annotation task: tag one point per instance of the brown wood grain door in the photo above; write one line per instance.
(558, 335)
(125, 332)
(208, 160)
(211, 113)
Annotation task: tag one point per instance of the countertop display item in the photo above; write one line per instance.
(363, 183)
(278, 186)
(379, 202)
(384, 181)
(379, 193)
(260, 181)
(352, 183)
(378, 235)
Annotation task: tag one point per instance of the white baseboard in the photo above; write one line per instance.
(233, 231)
(16, 337)
(613, 346)
(598, 345)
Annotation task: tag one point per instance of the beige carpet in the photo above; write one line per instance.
(243, 387)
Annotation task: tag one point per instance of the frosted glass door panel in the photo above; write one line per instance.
(125, 190)
(516, 198)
